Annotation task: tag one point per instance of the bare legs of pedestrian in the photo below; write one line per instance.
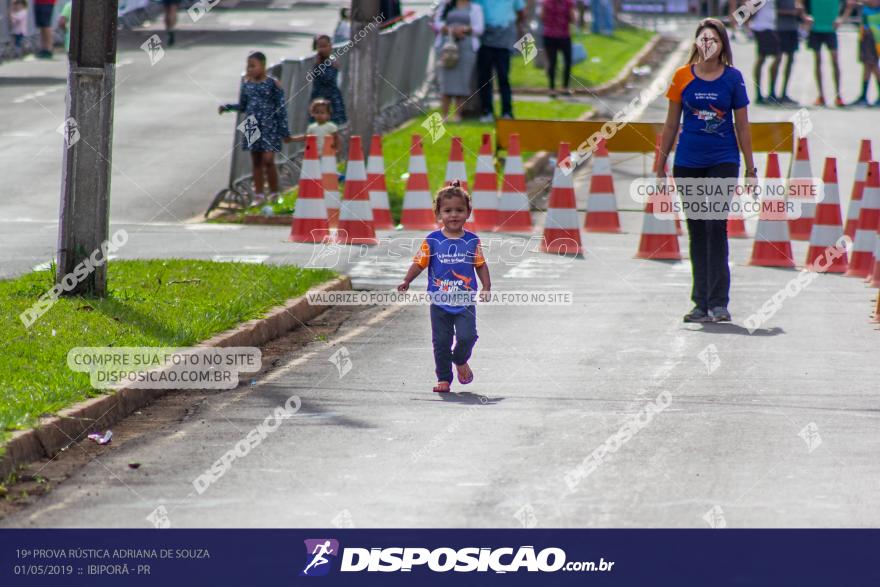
(170, 21)
(835, 71)
(820, 101)
(46, 39)
(786, 74)
(263, 170)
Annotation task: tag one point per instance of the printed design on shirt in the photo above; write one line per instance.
(714, 117)
(460, 283)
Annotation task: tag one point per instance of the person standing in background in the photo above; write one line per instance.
(18, 18)
(557, 16)
(789, 15)
(325, 79)
(503, 19)
(763, 25)
(869, 47)
(43, 11)
(64, 23)
(459, 22)
(824, 32)
(170, 7)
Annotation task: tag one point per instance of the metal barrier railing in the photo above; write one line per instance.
(404, 56)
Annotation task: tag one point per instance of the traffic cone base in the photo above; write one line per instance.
(658, 246)
(772, 254)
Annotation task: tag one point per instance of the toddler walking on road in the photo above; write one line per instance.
(454, 260)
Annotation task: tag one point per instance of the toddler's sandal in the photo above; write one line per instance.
(469, 379)
(441, 389)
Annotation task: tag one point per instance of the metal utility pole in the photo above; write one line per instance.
(88, 136)
(363, 66)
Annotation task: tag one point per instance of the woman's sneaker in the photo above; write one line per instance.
(697, 315)
(719, 314)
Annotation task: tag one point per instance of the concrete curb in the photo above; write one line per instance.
(55, 433)
(609, 86)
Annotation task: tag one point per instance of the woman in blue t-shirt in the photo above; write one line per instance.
(707, 98)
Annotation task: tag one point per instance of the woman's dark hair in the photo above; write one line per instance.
(453, 190)
(717, 26)
(258, 55)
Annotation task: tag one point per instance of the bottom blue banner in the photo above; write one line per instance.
(172, 557)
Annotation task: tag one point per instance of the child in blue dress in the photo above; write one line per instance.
(264, 128)
(454, 260)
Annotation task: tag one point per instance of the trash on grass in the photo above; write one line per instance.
(102, 438)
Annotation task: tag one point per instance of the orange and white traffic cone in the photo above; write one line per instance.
(356, 215)
(862, 261)
(799, 228)
(376, 186)
(330, 181)
(772, 247)
(310, 214)
(418, 209)
(852, 212)
(827, 227)
(513, 207)
(455, 168)
(602, 213)
(485, 195)
(659, 238)
(562, 234)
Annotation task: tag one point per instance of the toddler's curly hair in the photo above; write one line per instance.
(453, 190)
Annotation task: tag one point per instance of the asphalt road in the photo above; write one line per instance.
(774, 429)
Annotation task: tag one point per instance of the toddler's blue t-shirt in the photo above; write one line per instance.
(451, 263)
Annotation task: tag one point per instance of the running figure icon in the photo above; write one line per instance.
(319, 559)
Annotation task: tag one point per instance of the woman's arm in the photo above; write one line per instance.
(478, 23)
(744, 136)
(667, 139)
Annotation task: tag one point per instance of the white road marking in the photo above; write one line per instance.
(37, 94)
(252, 259)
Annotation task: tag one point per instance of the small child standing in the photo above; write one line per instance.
(261, 99)
(454, 260)
(321, 111)
(18, 19)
